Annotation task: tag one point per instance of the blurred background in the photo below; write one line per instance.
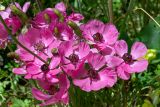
(142, 90)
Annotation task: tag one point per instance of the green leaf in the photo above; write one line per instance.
(150, 35)
(147, 103)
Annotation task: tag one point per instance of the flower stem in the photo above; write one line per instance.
(21, 45)
(110, 10)
(148, 15)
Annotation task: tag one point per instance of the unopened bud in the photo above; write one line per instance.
(75, 27)
(13, 55)
(59, 14)
(47, 18)
(54, 51)
(19, 13)
(151, 54)
(56, 32)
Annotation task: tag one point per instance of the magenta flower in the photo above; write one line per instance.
(99, 33)
(44, 18)
(56, 92)
(72, 54)
(75, 17)
(103, 36)
(61, 31)
(93, 74)
(128, 63)
(12, 21)
(38, 43)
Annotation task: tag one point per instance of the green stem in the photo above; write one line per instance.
(148, 15)
(110, 10)
(39, 5)
(21, 45)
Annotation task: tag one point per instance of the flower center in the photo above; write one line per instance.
(54, 51)
(98, 37)
(54, 88)
(127, 58)
(39, 46)
(92, 73)
(44, 68)
(73, 58)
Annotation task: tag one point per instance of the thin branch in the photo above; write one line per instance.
(110, 10)
(21, 45)
(148, 15)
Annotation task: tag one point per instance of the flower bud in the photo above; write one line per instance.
(47, 18)
(59, 14)
(54, 51)
(151, 54)
(19, 13)
(56, 32)
(13, 55)
(75, 27)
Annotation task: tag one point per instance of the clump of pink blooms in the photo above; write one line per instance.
(92, 60)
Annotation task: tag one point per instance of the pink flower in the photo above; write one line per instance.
(72, 54)
(37, 40)
(61, 31)
(12, 21)
(99, 33)
(61, 7)
(56, 92)
(128, 63)
(75, 17)
(44, 18)
(103, 36)
(93, 74)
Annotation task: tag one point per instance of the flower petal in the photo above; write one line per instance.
(39, 95)
(113, 61)
(61, 7)
(26, 6)
(110, 33)
(139, 66)
(107, 79)
(96, 60)
(122, 73)
(121, 47)
(19, 71)
(83, 49)
(138, 50)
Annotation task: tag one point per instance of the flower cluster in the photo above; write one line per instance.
(88, 55)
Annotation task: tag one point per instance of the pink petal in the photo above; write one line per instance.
(19, 71)
(66, 48)
(65, 98)
(121, 47)
(33, 69)
(139, 66)
(113, 61)
(24, 55)
(84, 49)
(18, 5)
(61, 7)
(39, 95)
(122, 73)
(3, 33)
(50, 101)
(84, 84)
(96, 60)
(76, 17)
(54, 62)
(107, 79)
(110, 33)
(138, 50)
(47, 36)
(26, 6)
